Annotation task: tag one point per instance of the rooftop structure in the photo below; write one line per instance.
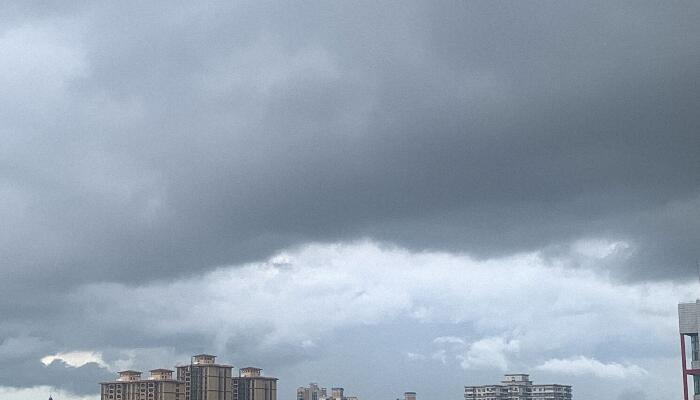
(248, 372)
(129, 375)
(203, 359)
(161, 374)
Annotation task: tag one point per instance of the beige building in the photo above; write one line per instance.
(130, 386)
(204, 379)
(251, 385)
(409, 396)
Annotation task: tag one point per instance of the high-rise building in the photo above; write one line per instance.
(205, 379)
(202, 379)
(518, 387)
(689, 326)
(409, 396)
(130, 386)
(251, 385)
(313, 392)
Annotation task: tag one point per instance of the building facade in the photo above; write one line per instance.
(251, 385)
(205, 379)
(689, 326)
(130, 386)
(518, 387)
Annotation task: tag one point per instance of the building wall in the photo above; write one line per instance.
(255, 388)
(143, 390)
(206, 381)
(688, 317)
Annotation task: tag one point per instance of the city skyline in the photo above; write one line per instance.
(388, 196)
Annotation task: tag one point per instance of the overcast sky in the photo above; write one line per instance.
(385, 196)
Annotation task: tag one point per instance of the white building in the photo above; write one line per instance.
(517, 387)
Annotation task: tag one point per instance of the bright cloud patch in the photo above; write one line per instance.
(589, 366)
(76, 358)
(415, 356)
(448, 339)
(492, 352)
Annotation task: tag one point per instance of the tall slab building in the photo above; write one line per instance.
(252, 385)
(205, 379)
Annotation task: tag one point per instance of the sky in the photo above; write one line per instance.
(384, 196)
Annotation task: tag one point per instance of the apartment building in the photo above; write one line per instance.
(250, 384)
(204, 379)
(130, 386)
(518, 387)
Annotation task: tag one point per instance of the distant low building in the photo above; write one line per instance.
(518, 387)
(314, 392)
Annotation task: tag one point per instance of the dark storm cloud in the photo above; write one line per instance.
(186, 136)
(212, 134)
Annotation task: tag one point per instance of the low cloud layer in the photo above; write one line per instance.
(287, 310)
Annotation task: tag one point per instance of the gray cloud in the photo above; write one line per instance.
(213, 134)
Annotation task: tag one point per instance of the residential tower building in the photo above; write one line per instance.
(205, 379)
(130, 386)
(251, 385)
